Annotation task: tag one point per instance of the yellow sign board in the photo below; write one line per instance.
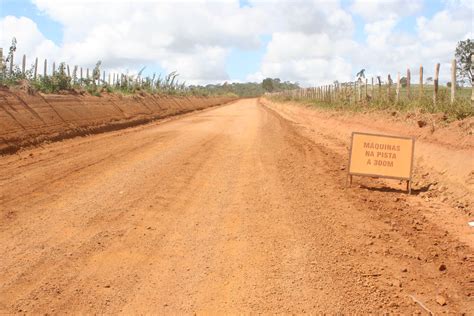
(381, 156)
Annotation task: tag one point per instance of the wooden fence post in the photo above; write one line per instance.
(3, 67)
(45, 70)
(380, 87)
(453, 80)
(398, 88)
(436, 80)
(408, 83)
(87, 73)
(359, 89)
(366, 92)
(23, 64)
(1, 62)
(421, 82)
(80, 73)
(11, 62)
(36, 69)
(372, 89)
(472, 80)
(389, 86)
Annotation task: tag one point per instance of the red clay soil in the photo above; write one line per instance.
(237, 209)
(444, 163)
(29, 119)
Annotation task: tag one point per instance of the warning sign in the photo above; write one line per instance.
(381, 156)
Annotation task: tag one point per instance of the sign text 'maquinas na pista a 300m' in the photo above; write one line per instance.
(381, 156)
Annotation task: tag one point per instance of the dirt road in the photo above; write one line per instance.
(225, 210)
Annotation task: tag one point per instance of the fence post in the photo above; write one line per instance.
(68, 71)
(11, 62)
(54, 68)
(87, 73)
(421, 82)
(398, 87)
(472, 80)
(45, 70)
(359, 89)
(436, 79)
(380, 87)
(453, 80)
(372, 89)
(389, 86)
(36, 69)
(408, 83)
(103, 76)
(23, 64)
(366, 84)
(1, 62)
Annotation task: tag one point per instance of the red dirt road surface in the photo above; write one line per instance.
(231, 209)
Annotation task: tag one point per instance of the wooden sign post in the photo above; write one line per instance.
(382, 156)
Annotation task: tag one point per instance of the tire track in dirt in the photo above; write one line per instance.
(228, 210)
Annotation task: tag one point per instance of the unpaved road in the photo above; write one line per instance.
(225, 210)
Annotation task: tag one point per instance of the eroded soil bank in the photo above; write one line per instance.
(29, 119)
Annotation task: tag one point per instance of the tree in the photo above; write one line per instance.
(463, 53)
(403, 82)
(429, 80)
(360, 74)
(267, 84)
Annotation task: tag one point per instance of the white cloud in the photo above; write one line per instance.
(307, 58)
(191, 37)
(311, 41)
(30, 40)
(373, 10)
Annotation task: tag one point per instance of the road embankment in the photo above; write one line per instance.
(31, 118)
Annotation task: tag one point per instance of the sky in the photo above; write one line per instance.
(311, 42)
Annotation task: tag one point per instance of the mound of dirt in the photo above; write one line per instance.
(30, 118)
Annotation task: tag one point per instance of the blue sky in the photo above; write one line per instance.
(52, 29)
(309, 42)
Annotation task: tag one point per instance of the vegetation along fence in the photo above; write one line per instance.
(384, 93)
(51, 77)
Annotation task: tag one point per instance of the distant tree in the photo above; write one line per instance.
(448, 84)
(267, 84)
(463, 53)
(403, 81)
(429, 80)
(360, 74)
